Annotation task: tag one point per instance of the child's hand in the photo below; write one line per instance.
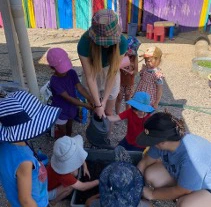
(88, 106)
(155, 105)
(86, 172)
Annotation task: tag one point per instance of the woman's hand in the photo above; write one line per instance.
(100, 111)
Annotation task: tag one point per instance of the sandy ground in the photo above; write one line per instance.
(182, 86)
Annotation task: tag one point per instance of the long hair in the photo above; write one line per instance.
(96, 59)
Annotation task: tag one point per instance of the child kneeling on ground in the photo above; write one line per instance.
(138, 113)
(68, 156)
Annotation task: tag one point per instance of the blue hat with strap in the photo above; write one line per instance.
(23, 117)
(141, 101)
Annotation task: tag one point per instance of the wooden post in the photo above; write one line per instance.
(28, 65)
(12, 46)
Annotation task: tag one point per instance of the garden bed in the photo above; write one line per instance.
(202, 66)
(97, 160)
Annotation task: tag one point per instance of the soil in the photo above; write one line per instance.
(181, 85)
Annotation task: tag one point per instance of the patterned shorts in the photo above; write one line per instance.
(127, 90)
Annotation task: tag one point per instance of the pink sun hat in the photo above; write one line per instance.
(58, 58)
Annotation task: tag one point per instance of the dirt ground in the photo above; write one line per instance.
(181, 86)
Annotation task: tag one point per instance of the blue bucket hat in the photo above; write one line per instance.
(23, 117)
(121, 185)
(141, 101)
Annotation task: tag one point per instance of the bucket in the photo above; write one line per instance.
(132, 29)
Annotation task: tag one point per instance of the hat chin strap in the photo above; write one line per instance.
(15, 119)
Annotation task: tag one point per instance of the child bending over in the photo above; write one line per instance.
(68, 156)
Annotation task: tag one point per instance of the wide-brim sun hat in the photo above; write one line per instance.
(158, 128)
(141, 101)
(58, 59)
(121, 184)
(105, 30)
(23, 117)
(68, 154)
(153, 52)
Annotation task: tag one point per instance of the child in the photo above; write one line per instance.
(128, 73)
(23, 177)
(136, 115)
(68, 156)
(151, 77)
(63, 84)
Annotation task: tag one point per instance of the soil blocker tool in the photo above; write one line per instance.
(183, 106)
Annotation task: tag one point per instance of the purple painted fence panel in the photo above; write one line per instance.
(184, 12)
(51, 14)
(39, 6)
(123, 14)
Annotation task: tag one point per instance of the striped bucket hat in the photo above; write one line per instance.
(23, 117)
(105, 29)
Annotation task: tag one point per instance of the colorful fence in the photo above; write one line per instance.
(1, 22)
(189, 14)
(77, 14)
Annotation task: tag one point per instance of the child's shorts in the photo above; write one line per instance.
(101, 82)
(61, 122)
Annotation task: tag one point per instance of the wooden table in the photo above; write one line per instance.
(166, 24)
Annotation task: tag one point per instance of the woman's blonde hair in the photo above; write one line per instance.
(96, 59)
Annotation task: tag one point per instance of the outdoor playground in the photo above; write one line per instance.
(186, 61)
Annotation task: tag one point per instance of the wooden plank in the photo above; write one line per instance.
(140, 8)
(83, 14)
(97, 5)
(65, 14)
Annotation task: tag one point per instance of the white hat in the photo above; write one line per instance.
(68, 154)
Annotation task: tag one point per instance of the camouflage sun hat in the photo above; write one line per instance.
(105, 29)
(121, 184)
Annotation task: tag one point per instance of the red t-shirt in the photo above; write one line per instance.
(55, 179)
(135, 126)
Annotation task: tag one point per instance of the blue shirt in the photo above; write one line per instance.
(189, 164)
(11, 156)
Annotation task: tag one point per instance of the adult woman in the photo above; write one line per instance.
(177, 165)
(100, 50)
